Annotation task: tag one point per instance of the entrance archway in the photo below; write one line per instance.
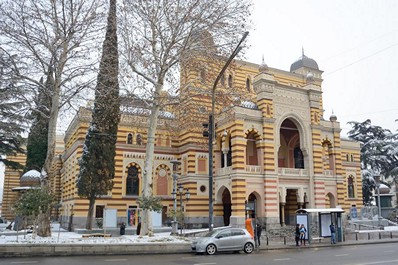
(330, 201)
(254, 199)
(227, 206)
(290, 207)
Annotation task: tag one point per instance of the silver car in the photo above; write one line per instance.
(229, 239)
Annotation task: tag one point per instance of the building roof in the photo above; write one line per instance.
(304, 61)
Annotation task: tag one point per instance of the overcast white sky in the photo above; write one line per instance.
(355, 43)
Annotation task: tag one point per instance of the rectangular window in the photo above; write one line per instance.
(99, 211)
(202, 165)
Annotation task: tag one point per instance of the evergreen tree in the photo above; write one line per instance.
(38, 135)
(377, 153)
(11, 119)
(36, 204)
(97, 165)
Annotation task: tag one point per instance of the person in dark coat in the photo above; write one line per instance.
(122, 229)
(139, 228)
(259, 229)
(297, 234)
(332, 234)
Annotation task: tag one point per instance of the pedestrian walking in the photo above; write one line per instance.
(297, 234)
(303, 232)
(259, 229)
(122, 229)
(332, 234)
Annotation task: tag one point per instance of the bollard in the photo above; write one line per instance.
(284, 240)
(391, 235)
(267, 241)
(356, 236)
(379, 235)
(368, 236)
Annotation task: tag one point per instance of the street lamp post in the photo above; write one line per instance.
(187, 196)
(211, 127)
(174, 228)
(377, 181)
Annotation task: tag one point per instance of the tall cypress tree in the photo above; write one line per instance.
(97, 164)
(38, 136)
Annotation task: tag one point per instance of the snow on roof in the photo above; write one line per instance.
(321, 210)
(248, 104)
(22, 188)
(146, 112)
(32, 174)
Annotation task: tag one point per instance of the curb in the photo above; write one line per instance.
(24, 250)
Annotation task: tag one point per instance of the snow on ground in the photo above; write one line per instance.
(60, 236)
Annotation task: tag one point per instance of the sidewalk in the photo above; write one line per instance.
(64, 243)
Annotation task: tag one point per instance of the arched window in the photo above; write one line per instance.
(251, 150)
(162, 188)
(248, 84)
(298, 158)
(132, 181)
(230, 81)
(350, 187)
(229, 154)
(139, 139)
(129, 138)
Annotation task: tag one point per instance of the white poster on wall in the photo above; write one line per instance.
(110, 218)
(326, 220)
(156, 219)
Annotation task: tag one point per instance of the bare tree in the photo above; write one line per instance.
(54, 40)
(159, 36)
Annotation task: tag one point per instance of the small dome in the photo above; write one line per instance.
(304, 61)
(263, 67)
(30, 178)
(333, 117)
(384, 189)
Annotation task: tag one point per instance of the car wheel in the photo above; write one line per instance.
(211, 249)
(248, 248)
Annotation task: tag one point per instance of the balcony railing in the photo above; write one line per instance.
(224, 171)
(248, 168)
(292, 171)
(254, 169)
(328, 172)
(281, 171)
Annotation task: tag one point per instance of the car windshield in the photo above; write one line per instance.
(212, 233)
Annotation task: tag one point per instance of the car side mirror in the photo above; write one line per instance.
(219, 236)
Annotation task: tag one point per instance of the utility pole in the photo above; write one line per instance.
(211, 129)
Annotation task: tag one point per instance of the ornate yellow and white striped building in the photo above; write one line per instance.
(274, 148)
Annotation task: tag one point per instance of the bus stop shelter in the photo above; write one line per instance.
(324, 217)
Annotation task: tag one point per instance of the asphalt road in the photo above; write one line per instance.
(371, 254)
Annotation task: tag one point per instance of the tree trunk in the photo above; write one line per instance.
(44, 224)
(146, 228)
(52, 128)
(90, 213)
